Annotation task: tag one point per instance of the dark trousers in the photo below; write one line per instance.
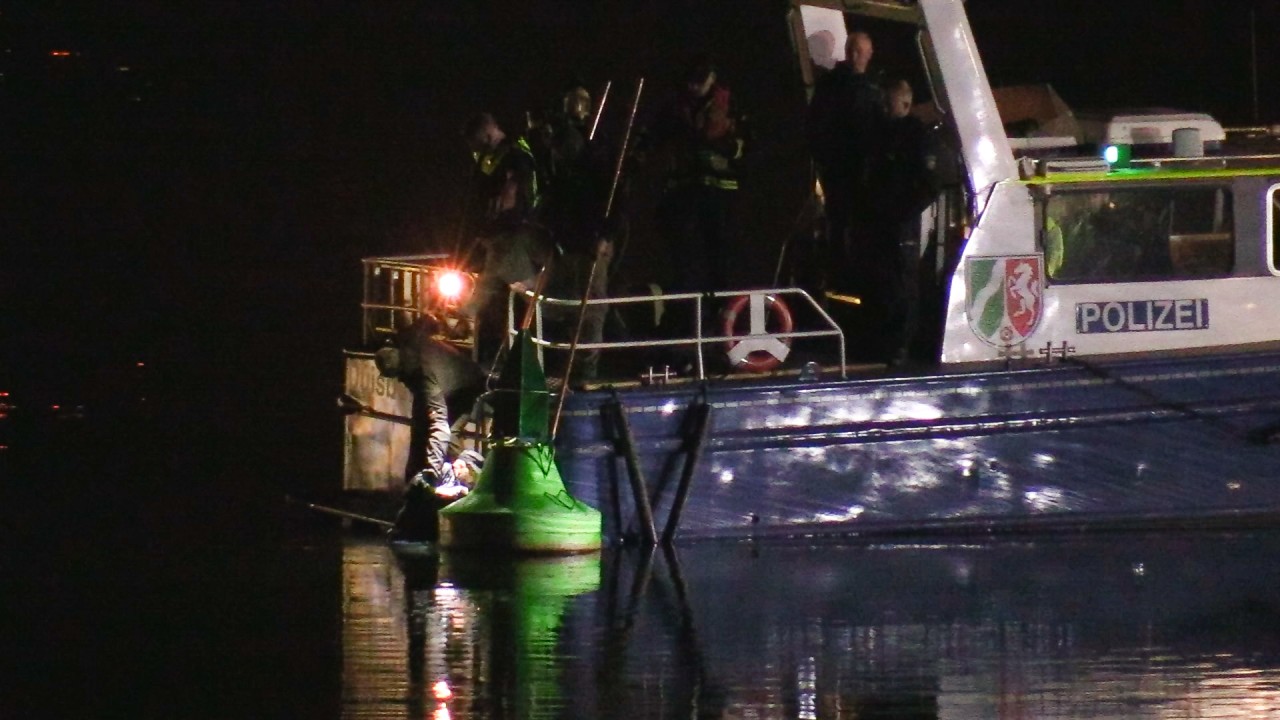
(569, 281)
(884, 258)
(694, 220)
(837, 207)
(429, 437)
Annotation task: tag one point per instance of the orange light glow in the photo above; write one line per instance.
(441, 691)
(142, 364)
(55, 407)
(60, 53)
(450, 284)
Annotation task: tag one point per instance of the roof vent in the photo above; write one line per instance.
(1187, 142)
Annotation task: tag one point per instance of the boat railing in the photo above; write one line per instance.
(395, 291)
(545, 305)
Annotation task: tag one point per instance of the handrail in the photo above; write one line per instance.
(393, 288)
(698, 340)
(393, 291)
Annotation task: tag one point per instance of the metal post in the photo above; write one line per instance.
(639, 492)
(701, 414)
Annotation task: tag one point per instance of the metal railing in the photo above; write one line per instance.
(698, 340)
(395, 288)
(396, 291)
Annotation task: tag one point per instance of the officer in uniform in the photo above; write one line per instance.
(577, 193)
(904, 183)
(515, 247)
(701, 136)
(843, 125)
(445, 383)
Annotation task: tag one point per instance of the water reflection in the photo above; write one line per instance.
(1172, 626)
(457, 636)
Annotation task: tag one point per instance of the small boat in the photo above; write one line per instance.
(1109, 351)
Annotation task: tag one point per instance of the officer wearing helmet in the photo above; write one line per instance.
(506, 188)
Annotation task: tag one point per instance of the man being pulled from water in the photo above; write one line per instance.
(445, 383)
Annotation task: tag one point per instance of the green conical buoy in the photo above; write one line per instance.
(520, 503)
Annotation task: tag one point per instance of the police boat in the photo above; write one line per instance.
(1109, 352)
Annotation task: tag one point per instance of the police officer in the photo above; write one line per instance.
(842, 126)
(704, 143)
(445, 383)
(506, 188)
(904, 183)
(702, 139)
(574, 212)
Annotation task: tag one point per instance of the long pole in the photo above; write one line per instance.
(595, 121)
(340, 513)
(595, 263)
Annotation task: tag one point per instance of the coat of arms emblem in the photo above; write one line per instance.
(1005, 297)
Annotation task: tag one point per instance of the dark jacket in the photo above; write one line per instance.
(507, 187)
(437, 370)
(903, 181)
(577, 187)
(703, 138)
(844, 118)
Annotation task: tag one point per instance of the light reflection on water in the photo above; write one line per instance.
(1178, 626)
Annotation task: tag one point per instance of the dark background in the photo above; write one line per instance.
(187, 188)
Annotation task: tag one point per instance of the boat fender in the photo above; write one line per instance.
(760, 350)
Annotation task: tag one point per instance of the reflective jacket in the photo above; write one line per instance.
(507, 187)
(704, 138)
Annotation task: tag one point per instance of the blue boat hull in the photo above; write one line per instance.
(1184, 440)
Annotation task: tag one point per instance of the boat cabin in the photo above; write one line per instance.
(1156, 232)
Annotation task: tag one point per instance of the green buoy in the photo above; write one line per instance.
(520, 503)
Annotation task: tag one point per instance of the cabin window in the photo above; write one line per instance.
(1133, 234)
(1273, 225)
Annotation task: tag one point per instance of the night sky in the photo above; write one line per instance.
(198, 181)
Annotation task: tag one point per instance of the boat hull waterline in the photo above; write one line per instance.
(1074, 444)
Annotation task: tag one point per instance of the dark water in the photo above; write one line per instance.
(131, 591)
(1155, 627)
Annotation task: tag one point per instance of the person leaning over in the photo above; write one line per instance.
(445, 383)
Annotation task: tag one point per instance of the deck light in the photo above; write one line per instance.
(450, 285)
(1117, 156)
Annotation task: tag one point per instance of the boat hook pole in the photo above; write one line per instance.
(595, 263)
(595, 121)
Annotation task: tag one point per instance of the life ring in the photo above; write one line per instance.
(760, 350)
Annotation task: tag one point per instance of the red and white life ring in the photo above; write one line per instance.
(758, 350)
